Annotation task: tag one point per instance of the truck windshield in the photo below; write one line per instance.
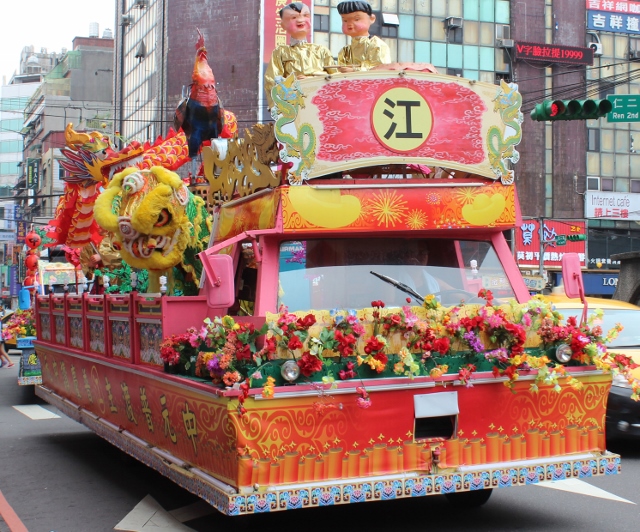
(337, 273)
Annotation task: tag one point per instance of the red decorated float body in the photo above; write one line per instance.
(312, 246)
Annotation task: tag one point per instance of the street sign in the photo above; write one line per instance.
(535, 283)
(561, 240)
(626, 108)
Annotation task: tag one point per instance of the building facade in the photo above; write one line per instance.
(566, 168)
(77, 91)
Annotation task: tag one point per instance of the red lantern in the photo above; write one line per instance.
(32, 239)
(29, 280)
(31, 262)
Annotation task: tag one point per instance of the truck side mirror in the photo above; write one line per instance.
(572, 280)
(219, 286)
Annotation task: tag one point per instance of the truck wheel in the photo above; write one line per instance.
(469, 499)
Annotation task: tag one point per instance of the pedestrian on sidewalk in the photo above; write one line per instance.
(4, 356)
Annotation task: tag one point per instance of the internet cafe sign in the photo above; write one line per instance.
(612, 205)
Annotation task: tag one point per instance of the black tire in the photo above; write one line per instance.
(469, 499)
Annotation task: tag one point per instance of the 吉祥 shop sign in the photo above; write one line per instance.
(553, 53)
(618, 17)
(612, 205)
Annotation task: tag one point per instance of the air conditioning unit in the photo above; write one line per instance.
(634, 54)
(505, 43)
(453, 22)
(141, 3)
(126, 20)
(503, 31)
(597, 48)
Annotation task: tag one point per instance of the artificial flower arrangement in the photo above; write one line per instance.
(430, 341)
(21, 323)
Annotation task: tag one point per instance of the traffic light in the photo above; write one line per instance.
(551, 110)
(575, 238)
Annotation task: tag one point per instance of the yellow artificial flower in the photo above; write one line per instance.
(330, 381)
(268, 390)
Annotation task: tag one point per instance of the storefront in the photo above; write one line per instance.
(596, 284)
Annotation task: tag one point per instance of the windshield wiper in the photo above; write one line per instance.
(400, 286)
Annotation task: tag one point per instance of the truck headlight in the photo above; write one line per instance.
(290, 370)
(563, 353)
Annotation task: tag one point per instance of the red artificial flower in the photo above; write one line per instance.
(486, 294)
(349, 373)
(243, 351)
(309, 364)
(441, 345)
(294, 343)
(346, 343)
(307, 321)
(377, 304)
(373, 345)
(271, 345)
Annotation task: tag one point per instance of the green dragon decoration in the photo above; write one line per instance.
(507, 102)
(299, 146)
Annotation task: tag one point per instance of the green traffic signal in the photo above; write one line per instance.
(551, 110)
(575, 238)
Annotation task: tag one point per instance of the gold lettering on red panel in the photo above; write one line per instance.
(190, 426)
(168, 429)
(127, 403)
(146, 410)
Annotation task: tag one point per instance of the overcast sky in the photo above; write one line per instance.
(50, 24)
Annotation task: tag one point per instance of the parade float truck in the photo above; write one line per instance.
(361, 331)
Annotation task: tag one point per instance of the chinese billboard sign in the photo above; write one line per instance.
(21, 233)
(553, 53)
(618, 17)
(33, 167)
(612, 205)
(528, 242)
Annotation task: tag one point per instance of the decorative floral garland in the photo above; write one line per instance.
(418, 341)
(20, 323)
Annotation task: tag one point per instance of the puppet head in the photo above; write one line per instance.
(357, 18)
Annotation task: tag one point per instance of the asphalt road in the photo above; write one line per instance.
(58, 476)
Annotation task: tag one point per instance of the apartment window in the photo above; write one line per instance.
(454, 71)
(635, 185)
(593, 139)
(389, 31)
(606, 184)
(593, 183)
(321, 22)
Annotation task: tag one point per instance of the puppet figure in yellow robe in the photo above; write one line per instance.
(366, 51)
(301, 58)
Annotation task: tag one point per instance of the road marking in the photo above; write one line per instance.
(10, 517)
(149, 516)
(580, 487)
(35, 412)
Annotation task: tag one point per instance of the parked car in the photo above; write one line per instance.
(623, 413)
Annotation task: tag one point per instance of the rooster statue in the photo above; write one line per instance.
(201, 115)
